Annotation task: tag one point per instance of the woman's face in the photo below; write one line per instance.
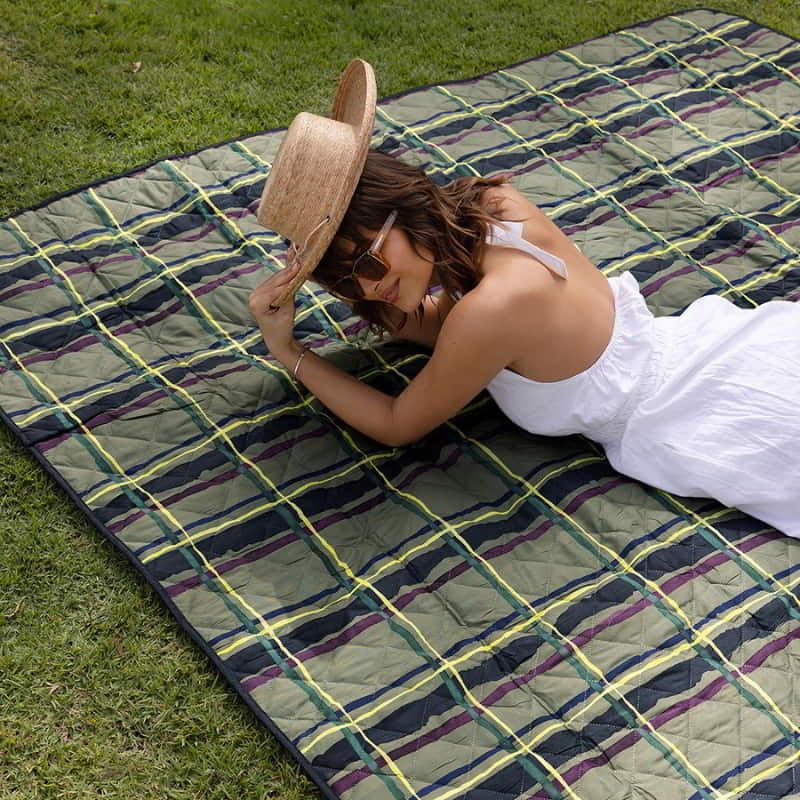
(410, 274)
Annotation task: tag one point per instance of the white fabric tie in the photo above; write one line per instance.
(509, 234)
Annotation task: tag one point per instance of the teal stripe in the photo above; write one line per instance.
(432, 659)
(655, 599)
(563, 649)
(222, 224)
(213, 585)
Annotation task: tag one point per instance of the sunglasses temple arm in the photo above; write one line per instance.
(378, 243)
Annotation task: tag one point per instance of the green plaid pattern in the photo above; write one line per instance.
(486, 613)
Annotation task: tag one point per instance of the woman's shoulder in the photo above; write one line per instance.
(508, 292)
(495, 317)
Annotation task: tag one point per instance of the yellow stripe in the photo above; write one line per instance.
(698, 133)
(504, 635)
(552, 136)
(227, 429)
(197, 356)
(744, 556)
(687, 241)
(659, 168)
(751, 55)
(304, 402)
(569, 724)
(231, 224)
(339, 561)
(567, 83)
(267, 255)
(681, 648)
(773, 770)
(780, 125)
(260, 509)
(174, 521)
(628, 567)
(427, 143)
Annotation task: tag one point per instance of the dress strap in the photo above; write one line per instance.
(509, 234)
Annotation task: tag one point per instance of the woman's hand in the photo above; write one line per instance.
(276, 318)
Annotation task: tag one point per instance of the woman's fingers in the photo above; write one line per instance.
(286, 274)
(271, 295)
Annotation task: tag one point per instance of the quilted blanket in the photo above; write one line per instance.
(486, 613)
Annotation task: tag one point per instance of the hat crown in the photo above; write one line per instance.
(305, 182)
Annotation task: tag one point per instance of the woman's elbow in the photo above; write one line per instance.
(400, 436)
(397, 439)
(401, 428)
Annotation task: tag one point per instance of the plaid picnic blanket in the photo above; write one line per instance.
(486, 613)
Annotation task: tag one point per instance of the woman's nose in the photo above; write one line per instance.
(368, 287)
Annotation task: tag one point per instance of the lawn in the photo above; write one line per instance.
(101, 693)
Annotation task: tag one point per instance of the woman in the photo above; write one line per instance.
(705, 404)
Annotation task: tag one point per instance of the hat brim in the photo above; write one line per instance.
(354, 105)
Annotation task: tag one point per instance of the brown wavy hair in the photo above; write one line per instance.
(448, 221)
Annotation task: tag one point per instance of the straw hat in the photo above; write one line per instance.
(317, 168)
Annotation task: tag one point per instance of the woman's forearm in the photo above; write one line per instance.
(366, 409)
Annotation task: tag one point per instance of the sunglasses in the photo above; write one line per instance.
(370, 265)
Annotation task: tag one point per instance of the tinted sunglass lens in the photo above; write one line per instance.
(347, 289)
(370, 267)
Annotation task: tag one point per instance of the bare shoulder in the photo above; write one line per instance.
(500, 308)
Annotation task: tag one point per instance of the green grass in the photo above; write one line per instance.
(101, 693)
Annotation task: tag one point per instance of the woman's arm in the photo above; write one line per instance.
(480, 336)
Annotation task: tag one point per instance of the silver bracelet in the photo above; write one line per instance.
(297, 363)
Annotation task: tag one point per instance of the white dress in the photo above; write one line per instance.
(705, 404)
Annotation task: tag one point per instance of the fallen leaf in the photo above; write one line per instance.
(15, 611)
(136, 66)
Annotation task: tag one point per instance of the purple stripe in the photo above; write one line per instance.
(404, 600)
(356, 628)
(196, 580)
(463, 718)
(549, 106)
(148, 321)
(652, 288)
(87, 341)
(138, 405)
(76, 346)
(717, 181)
(613, 87)
(739, 250)
(80, 344)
